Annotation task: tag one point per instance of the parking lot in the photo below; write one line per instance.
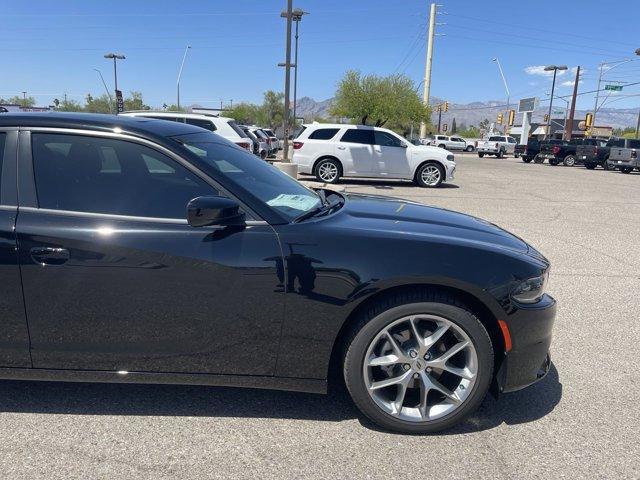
(580, 422)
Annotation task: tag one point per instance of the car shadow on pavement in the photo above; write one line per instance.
(174, 400)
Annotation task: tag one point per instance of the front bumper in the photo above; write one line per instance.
(487, 151)
(528, 361)
(450, 169)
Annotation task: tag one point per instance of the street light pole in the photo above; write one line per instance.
(287, 80)
(184, 57)
(506, 87)
(106, 90)
(555, 69)
(297, 16)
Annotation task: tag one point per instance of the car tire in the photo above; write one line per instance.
(554, 161)
(263, 155)
(569, 161)
(373, 332)
(442, 145)
(538, 159)
(430, 175)
(328, 170)
(527, 159)
(606, 165)
(480, 155)
(469, 148)
(626, 169)
(590, 165)
(500, 153)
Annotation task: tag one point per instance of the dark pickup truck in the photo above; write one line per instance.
(531, 150)
(592, 155)
(565, 151)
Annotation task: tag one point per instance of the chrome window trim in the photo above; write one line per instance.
(110, 216)
(132, 138)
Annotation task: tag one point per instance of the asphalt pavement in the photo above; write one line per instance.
(582, 421)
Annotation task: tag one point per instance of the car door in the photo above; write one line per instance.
(355, 152)
(115, 279)
(391, 155)
(14, 336)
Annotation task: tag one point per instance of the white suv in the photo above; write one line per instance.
(331, 151)
(449, 143)
(223, 126)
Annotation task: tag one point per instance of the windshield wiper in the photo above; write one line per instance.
(320, 209)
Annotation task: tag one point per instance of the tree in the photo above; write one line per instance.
(247, 113)
(18, 100)
(484, 125)
(70, 106)
(271, 113)
(100, 104)
(454, 127)
(135, 102)
(374, 100)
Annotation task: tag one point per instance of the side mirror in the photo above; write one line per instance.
(207, 211)
(404, 145)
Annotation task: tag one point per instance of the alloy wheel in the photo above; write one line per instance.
(420, 368)
(430, 175)
(328, 172)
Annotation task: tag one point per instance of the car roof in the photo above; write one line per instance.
(141, 126)
(152, 113)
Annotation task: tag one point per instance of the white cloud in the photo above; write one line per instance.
(540, 71)
(570, 83)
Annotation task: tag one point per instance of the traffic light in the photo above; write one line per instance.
(546, 118)
(446, 106)
(439, 108)
(588, 121)
(512, 117)
(500, 117)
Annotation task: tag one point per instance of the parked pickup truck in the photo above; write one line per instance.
(625, 158)
(564, 152)
(531, 150)
(498, 145)
(596, 152)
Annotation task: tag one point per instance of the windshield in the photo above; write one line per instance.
(252, 175)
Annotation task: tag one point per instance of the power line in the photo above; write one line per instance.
(419, 36)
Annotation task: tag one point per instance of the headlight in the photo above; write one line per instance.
(531, 290)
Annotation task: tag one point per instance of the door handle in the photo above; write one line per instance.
(50, 255)
(340, 148)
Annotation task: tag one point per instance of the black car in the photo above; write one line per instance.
(142, 250)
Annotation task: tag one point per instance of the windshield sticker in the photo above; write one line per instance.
(297, 202)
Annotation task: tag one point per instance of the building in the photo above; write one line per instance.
(557, 128)
(14, 107)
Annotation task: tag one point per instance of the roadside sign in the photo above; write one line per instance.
(445, 127)
(119, 101)
(527, 104)
(615, 88)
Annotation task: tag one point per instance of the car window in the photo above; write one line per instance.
(496, 139)
(633, 144)
(358, 135)
(511, 140)
(202, 123)
(618, 142)
(386, 140)
(103, 175)
(299, 131)
(256, 179)
(237, 129)
(3, 141)
(323, 134)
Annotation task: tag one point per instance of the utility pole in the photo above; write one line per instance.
(568, 127)
(554, 69)
(297, 16)
(287, 80)
(24, 99)
(427, 68)
(638, 124)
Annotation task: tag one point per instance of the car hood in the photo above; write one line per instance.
(403, 217)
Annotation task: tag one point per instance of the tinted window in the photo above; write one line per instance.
(496, 139)
(357, 135)
(618, 142)
(511, 140)
(323, 134)
(299, 131)
(99, 175)
(633, 144)
(3, 141)
(202, 123)
(237, 129)
(387, 140)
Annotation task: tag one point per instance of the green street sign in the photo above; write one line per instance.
(615, 88)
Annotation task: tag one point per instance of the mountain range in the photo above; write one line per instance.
(473, 113)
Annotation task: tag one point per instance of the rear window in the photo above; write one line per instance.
(299, 131)
(323, 134)
(3, 141)
(237, 129)
(633, 143)
(357, 135)
(202, 123)
(618, 142)
(496, 139)
(268, 132)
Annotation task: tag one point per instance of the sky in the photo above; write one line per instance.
(50, 48)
